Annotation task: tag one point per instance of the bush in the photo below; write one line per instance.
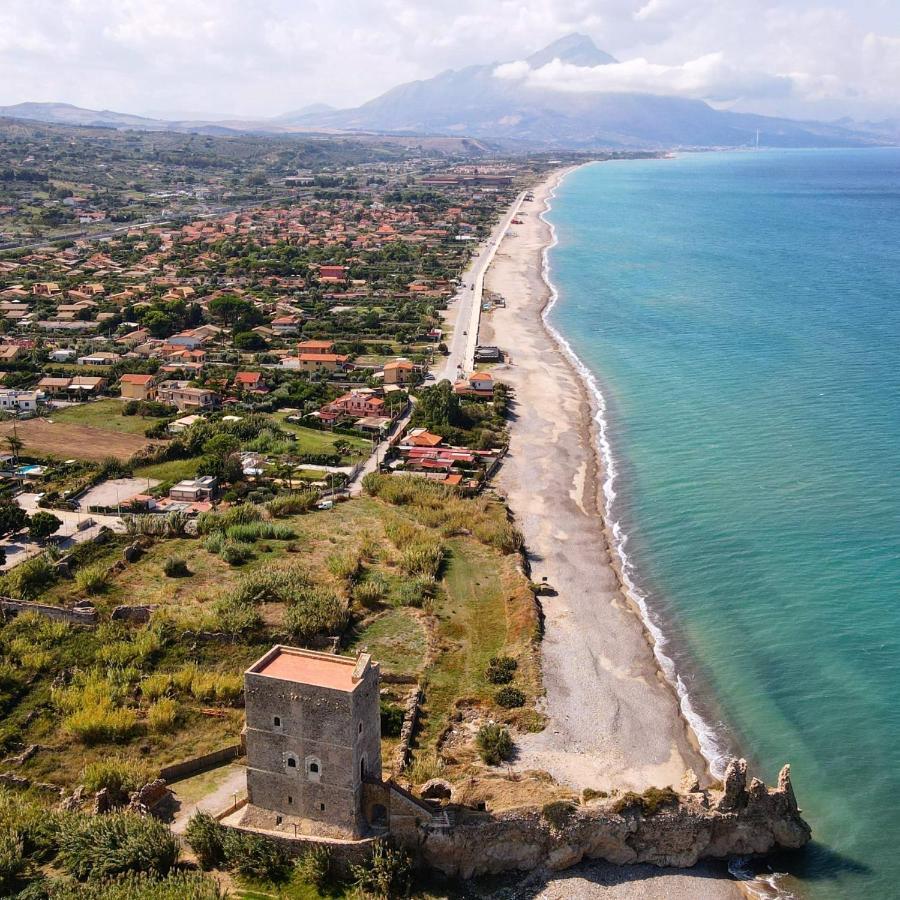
(205, 836)
(236, 554)
(92, 579)
(416, 592)
(254, 857)
(42, 525)
(233, 617)
(509, 697)
(176, 567)
(391, 719)
(13, 861)
(315, 611)
(250, 532)
(494, 744)
(214, 542)
(649, 803)
(132, 886)
(423, 559)
(109, 845)
(589, 794)
(162, 716)
(387, 875)
(315, 867)
(558, 812)
(103, 724)
(344, 566)
(118, 776)
(241, 514)
(500, 669)
(292, 504)
(29, 579)
(369, 594)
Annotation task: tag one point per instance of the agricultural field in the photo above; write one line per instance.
(103, 414)
(67, 440)
(428, 582)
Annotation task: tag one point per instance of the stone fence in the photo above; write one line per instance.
(177, 771)
(84, 615)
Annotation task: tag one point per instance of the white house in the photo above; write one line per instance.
(19, 401)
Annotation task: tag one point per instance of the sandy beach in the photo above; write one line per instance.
(613, 720)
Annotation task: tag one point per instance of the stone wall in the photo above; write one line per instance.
(85, 615)
(740, 820)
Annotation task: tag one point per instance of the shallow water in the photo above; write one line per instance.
(741, 313)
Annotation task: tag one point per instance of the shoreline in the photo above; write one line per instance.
(701, 732)
(614, 719)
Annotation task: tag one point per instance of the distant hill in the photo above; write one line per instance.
(473, 101)
(477, 109)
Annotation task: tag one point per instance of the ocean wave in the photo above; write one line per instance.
(713, 746)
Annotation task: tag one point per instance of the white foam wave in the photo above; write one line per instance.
(712, 745)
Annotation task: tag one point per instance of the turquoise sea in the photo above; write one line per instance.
(741, 315)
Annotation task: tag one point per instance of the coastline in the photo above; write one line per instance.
(615, 720)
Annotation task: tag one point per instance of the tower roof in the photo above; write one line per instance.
(340, 673)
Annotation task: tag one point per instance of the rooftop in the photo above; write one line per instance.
(340, 673)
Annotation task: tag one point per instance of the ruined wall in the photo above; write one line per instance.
(741, 820)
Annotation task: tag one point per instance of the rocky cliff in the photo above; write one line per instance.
(663, 828)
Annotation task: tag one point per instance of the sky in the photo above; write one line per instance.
(256, 58)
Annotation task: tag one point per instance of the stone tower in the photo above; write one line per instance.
(313, 736)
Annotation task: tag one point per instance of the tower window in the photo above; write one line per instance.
(322, 807)
(292, 763)
(290, 799)
(360, 728)
(313, 767)
(276, 721)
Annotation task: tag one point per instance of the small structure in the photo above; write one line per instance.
(190, 490)
(313, 737)
(487, 353)
(137, 387)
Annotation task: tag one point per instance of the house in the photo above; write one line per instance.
(18, 401)
(333, 273)
(54, 387)
(284, 325)
(356, 404)
(183, 423)
(137, 387)
(251, 382)
(62, 355)
(190, 490)
(315, 346)
(316, 362)
(86, 384)
(180, 394)
(10, 353)
(399, 371)
(98, 359)
(478, 384)
(421, 437)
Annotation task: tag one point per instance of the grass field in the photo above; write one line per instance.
(67, 440)
(310, 440)
(174, 470)
(105, 414)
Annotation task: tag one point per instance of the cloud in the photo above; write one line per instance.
(709, 77)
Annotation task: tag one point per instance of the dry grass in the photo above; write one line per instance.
(66, 440)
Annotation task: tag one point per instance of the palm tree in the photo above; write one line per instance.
(15, 444)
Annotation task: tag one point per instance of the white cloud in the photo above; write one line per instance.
(709, 77)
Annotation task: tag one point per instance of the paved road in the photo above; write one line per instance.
(469, 299)
(371, 464)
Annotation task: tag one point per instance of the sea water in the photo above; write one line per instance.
(740, 313)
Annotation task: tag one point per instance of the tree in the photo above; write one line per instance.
(15, 444)
(42, 525)
(12, 518)
(438, 406)
(249, 340)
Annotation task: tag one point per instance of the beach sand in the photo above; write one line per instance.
(613, 720)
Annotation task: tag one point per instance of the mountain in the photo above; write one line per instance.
(67, 114)
(473, 101)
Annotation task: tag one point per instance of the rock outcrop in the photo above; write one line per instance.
(702, 824)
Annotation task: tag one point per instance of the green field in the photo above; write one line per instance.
(105, 414)
(310, 440)
(174, 470)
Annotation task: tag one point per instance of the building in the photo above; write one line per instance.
(478, 384)
(354, 405)
(313, 737)
(190, 490)
(137, 387)
(316, 362)
(180, 394)
(18, 401)
(399, 371)
(487, 353)
(252, 382)
(98, 359)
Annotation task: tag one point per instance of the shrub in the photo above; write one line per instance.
(162, 716)
(253, 856)
(500, 669)
(494, 744)
(205, 837)
(213, 543)
(649, 803)
(103, 724)
(292, 504)
(221, 521)
(387, 875)
(236, 554)
(416, 592)
(13, 861)
(109, 845)
(176, 567)
(509, 697)
(344, 566)
(423, 559)
(42, 525)
(558, 812)
(315, 867)
(250, 532)
(132, 886)
(219, 687)
(503, 536)
(315, 611)
(29, 579)
(92, 579)
(589, 794)
(118, 776)
(391, 719)
(369, 594)
(234, 617)
(425, 766)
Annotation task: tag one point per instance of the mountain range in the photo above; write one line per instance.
(473, 102)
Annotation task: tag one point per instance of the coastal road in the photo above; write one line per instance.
(469, 299)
